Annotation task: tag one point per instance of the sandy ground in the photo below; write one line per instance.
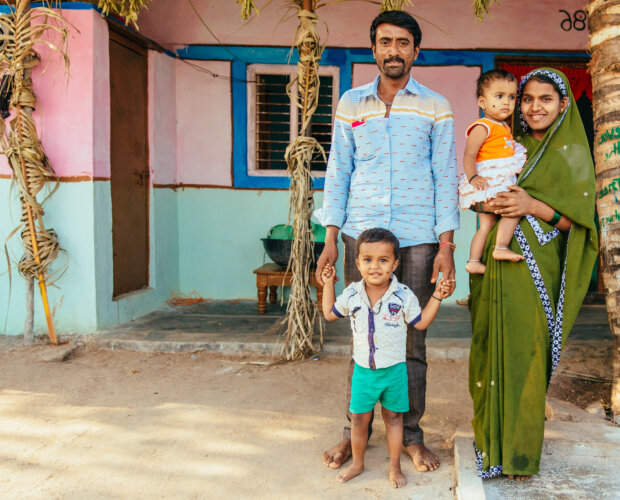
(134, 425)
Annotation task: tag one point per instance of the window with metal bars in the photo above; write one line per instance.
(274, 120)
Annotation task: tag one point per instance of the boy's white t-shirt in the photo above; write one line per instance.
(379, 332)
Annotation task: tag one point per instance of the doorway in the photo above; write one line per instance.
(129, 177)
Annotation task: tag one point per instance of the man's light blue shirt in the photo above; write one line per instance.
(399, 172)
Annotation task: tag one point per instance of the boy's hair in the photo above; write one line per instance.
(377, 235)
(397, 18)
(485, 79)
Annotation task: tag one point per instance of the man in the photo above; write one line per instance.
(393, 165)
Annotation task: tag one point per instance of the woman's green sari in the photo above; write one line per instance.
(522, 312)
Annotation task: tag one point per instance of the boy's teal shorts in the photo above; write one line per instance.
(388, 385)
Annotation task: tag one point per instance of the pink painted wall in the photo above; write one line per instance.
(65, 102)
(455, 83)
(204, 124)
(446, 24)
(162, 118)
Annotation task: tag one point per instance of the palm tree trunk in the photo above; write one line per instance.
(605, 70)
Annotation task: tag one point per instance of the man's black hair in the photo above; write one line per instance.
(490, 76)
(397, 18)
(377, 235)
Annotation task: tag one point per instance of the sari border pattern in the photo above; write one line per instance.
(494, 470)
(543, 238)
(554, 324)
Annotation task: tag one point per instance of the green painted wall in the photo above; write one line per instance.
(73, 300)
(81, 299)
(219, 240)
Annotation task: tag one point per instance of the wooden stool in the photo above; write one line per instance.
(272, 276)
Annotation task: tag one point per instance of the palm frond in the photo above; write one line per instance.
(394, 5)
(481, 7)
(129, 9)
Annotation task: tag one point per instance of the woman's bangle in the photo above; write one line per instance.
(436, 298)
(556, 218)
(473, 177)
(447, 244)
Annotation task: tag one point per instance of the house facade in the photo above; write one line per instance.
(168, 142)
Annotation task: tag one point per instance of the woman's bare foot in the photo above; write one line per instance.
(350, 472)
(517, 477)
(475, 267)
(397, 478)
(423, 459)
(506, 254)
(337, 455)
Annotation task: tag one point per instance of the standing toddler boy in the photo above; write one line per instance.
(380, 309)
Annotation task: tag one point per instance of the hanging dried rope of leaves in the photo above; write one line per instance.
(21, 30)
(394, 4)
(302, 314)
(129, 9)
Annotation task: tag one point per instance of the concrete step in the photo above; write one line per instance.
(580, 460)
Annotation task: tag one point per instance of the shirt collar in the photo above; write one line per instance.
(361, 289)
(412, 87)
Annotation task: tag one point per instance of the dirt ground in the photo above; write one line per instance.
(135, 425)
(121, 424)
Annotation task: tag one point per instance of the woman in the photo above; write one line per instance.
(522, 312)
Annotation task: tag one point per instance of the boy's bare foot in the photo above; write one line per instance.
(337, 455)
(423, 459)
(397, 478)
(517, 477)
(506, 254)
(475, 267)
(350, 472)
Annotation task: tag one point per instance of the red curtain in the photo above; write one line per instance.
(579, 78)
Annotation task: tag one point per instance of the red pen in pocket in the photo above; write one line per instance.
(358, 123)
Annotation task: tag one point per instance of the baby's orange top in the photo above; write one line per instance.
(499, 142)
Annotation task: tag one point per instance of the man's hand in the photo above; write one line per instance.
(328, 274)
(444, 264)
(329, 255)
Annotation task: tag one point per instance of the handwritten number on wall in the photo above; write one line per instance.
(578, 21)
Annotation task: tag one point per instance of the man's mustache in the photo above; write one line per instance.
(394, 59)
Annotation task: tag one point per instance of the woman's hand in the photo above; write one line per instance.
(513, 203)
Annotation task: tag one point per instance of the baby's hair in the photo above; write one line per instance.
(377, 235)
(487, 77)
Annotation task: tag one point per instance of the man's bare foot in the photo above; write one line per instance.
(423, 459)
(350, 472)
(475, 267)
(397, 478)
(337, 455)
(517, 477)
(506, 254)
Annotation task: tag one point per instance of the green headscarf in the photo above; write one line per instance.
(522, 312)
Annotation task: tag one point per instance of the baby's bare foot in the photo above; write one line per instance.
(350, 472)
(397, 478)
(506, 254)
(475, 267)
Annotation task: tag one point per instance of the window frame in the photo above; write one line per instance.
(280, 69)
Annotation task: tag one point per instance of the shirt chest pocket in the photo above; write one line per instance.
(369, 140)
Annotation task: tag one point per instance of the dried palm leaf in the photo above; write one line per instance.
(394, 4)
(22, 28)
(481, 7)
(247, 8)
(129, 9)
